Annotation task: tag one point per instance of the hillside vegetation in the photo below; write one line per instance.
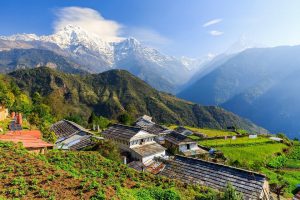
(116, 92)
(279, 161)
(82, 175)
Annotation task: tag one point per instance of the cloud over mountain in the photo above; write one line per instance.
(90, 20)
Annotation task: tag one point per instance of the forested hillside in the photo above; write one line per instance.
(117, 92)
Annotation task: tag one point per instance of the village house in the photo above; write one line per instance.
(71, 136)
(31, 140)
(195, 171)
(177, 142)
(3, 113)
(136, 142)
(183, 131)
(145, 122)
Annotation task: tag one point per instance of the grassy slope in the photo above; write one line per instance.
(116, 91)
(237, 141)
(255, 154)
(75, 175)
(208, 132)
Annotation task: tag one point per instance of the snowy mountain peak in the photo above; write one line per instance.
(21, 37)
(242, 44)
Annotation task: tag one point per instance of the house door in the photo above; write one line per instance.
(188, 146)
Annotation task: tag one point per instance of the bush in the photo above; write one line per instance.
(125, 119)
(278, 162)
(231, 194)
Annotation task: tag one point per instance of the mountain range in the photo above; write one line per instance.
(261, 84)
(92, 54)
(114, 92)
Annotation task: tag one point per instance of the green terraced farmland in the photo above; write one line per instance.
(208, 132)
(237, 141)
(252, 154)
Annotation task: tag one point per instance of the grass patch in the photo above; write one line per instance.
(237, 141)
(251, 155)
(206, 131)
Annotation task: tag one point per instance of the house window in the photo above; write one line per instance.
(188, 146)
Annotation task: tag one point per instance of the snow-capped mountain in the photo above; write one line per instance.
(242, 44)
(96, 55)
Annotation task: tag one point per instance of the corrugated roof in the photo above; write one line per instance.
(214, 175)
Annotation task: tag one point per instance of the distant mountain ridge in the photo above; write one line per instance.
(261, 84)
(163, 72)
(115, 92)
(14, 59)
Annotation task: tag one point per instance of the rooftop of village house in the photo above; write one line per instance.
(192, 170)
(127, 133)
(178, 139)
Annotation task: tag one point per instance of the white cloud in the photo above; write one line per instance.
(147, 36)
(216, 33)
(212, 22)
(88, 19)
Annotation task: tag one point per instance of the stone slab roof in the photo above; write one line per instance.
(126, 133)
(214, 175)
(65, 128)
(177, 138)
(149, 149)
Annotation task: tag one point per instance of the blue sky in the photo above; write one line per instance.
(177, 27)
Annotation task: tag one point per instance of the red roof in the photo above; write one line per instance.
(32, 133)
(30, 139)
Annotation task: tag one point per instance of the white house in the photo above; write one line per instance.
(138, 143)
(145, 123)
(178, 142)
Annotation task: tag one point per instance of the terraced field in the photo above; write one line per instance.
(208, 132)
(278, 161)
(253, 155)
(82, 175)
(242, 141)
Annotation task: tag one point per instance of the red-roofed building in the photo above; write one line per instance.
(31, 140)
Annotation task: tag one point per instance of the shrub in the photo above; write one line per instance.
(99, 195)
(278, 162)
(231, 194)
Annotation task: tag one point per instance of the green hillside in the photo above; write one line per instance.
(82, 175)
(117, 92)
(279, 161)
